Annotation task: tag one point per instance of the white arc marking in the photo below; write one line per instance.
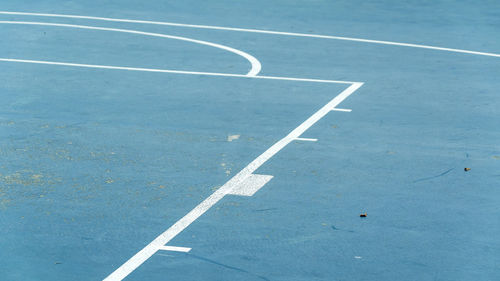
(259, 31)
(228, 188)
(255, 64)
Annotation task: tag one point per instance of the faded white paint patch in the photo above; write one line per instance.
(233, 137)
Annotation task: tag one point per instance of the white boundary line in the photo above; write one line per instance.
(255, 64)
(175, 71)
(258, 31)
(234, 183)
(228, 188)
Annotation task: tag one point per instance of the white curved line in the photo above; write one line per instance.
(260, 31)
(255, 69)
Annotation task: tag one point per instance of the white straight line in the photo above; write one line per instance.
(148, 251)
(174, 71)
(258, 31)
(305, 139)
(255, 64)
(341, 109)
(175, 249)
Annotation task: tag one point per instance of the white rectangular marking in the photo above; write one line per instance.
(251, 185)
(305, 139)
(175, 249)
(342, 109)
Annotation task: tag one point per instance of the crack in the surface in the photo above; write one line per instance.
(227, 266)
(263, 210)
(433, 177)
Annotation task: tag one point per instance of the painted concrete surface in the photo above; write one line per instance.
(96, 163)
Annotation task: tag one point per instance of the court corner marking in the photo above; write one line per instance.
(230, 187)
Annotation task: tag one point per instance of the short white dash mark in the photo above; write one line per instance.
(305, 139)
(342, 109)
(175, 249)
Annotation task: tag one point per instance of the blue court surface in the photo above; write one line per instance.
(242, 140)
